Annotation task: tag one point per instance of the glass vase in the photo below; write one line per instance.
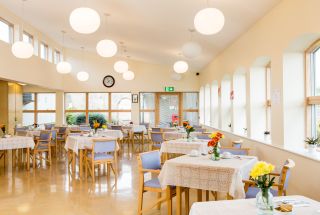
(264, 202)
(215, 154)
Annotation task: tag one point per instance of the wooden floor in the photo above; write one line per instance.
(53, 190)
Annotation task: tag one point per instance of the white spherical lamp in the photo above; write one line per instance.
(180, 66)
(84, 20)
(191, 50)
(21, 49)
(121, 66)
(106, 48)
(176, 76)
(209, 21)
(64, 67)
(128, 75)
(83, 76)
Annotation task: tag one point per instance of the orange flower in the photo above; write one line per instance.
(212, 143)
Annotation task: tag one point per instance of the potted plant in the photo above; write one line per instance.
(312, 143)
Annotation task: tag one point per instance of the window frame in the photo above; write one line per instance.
(268, 96)
(56, 52)
(30, 37)
(11, 30)
(46, 51)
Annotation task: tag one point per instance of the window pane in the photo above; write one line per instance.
(43, 51)
(46, 101)
(190, 100)
(27, 119)
(147, 101)
(6, 32)
(75, 101)
(75, 118)
(121, 117)
(28, 101)
(121, 101)
(147, 117)
(98, 101)
(46, 118)
(316, 75)
(100, 117)
(56, 57)
(27, 38)
(192, 117)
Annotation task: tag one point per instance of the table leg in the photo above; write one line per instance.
(169, 200)
(199, 195)
(28, 159)
(178, 195)
(13, 158)
(187, 206)
(80, 162)
(73, 167)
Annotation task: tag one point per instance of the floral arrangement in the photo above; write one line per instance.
(260, 174)
(104, 126)
(189, 129)
(185, 124)
(96, 125)
(175, 124)
(3, 128)
(214, 143)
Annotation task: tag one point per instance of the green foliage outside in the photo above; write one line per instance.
(80, 118)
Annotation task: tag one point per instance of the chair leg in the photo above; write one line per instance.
(199, 195)
(34, 160)
(92, 172)
(215, 195)
(86, 169)
(159, 204)
(169, 200)
(186, 199)
(140, 200)
(207, 195)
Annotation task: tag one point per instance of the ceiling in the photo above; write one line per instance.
(152, 30)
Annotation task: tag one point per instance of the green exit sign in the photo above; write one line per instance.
(169, 89)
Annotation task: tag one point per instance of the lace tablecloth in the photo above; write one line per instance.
(81, 142)
(173, 135)
(33, 133)
(183, 146)
(248, 207)
(110, 133)
(16, 142)
(135, 128)
(202, 173)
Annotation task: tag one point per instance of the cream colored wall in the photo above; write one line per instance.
(4, 116)
(288, 28)
(14, 106)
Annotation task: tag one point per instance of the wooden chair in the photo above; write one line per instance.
(204, 136)
(156, 129)
(138, 137)
(157, 139)
(147, 134)
(202, 130)
(61, 137)
(237, 144)
(54, 141)
(48, 126)
(103, 151)
(279, 189)
(42, 145)
(235, 151)
(149, 162)
(116, 127)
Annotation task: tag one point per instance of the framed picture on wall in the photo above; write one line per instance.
(135, 98)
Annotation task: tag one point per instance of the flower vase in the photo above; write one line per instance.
(95, 130)
(264, 202)
(215, 154)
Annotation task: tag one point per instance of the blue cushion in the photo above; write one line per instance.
(151, 160)
(42, 147)
(101, 156)
(158, 145)
(253, 191)
(154, 183)
(61, 138)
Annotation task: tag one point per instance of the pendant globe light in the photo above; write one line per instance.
(128, 75)
(107, 48)
(209, 21)
(63, 67)
(22, 49)
(121, 66)
(82, 75)
(84, 20)
(180, 66)
(191, 49)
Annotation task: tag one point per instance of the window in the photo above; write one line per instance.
(26, 37)
(86, 107)
(39, 108)
(215, 105)
(201, 103)
(147, 108)
(239, 103)
(56, 57)
(226, 104)
(6, 31)
(50, 55)
(44, 51)
(191, 107)
(207, 120)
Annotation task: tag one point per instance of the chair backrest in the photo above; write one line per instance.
(146, 124)
(54, 134)
(21, 133)
(104, 146)
(203, 136)
(200, 130)
(48, 126)
(285, 173)
(62, 130)
(235, 151)
(157, 137)
(156, 129)
(45, 135)
(150, 160)
(237, 144)
(116, 127)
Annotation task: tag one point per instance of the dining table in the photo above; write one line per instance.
(301, 206)
(110, 133)
(17, 142)
(172, 135)
(202, 173)
(75, 145)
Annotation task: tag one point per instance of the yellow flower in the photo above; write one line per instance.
(261, 168)
(104, 126)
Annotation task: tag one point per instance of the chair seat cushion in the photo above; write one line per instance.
(253, 191)
(101, 156)
(41, 147)
(154, 183)
(61, 138)
(157, 145)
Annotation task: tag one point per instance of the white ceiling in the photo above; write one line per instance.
(152, 30)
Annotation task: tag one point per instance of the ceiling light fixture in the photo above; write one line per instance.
(121, 66)
(63, 67)
(84, 20)
(128, 75)
(82, 75)
(180, 66)
(191, 49)
(209, 21)
(107, 47)
(22, 49)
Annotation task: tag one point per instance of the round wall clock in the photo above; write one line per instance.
(108, 81)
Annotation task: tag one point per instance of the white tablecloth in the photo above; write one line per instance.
(202, 173)
(16, 142)
(183, 146)
(135, 128)
(248, 207)
(173, 135)
(33, 133)
(110, 133)
(81, 142)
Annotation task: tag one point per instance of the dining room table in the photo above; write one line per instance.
(173, 135)
(75, 146)
(110, 133)
(17, 142)
(202, 173)
(301, 206)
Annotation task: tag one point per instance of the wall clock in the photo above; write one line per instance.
(108, 81)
